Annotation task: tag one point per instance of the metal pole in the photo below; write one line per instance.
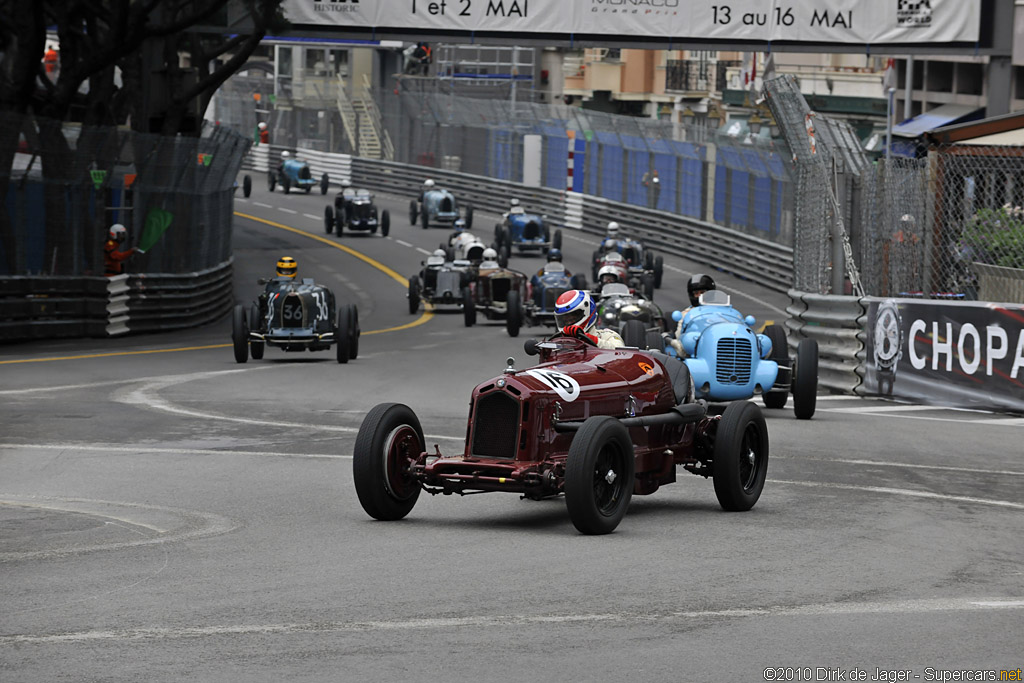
(888, 130)
(909, 96)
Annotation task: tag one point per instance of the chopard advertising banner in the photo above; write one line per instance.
(872, 22)
(968, 355)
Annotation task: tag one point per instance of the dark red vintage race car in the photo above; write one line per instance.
(595, 425)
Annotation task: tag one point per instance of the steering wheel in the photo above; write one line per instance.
(562, 335)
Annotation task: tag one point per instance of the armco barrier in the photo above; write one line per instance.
(734, 252)
(50, 307)
(837, 323)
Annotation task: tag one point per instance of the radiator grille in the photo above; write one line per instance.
(496, 426)
(531, 231)
(362, 211)
(734, 358)
(499, 289)
(290, 312)
(448, 282)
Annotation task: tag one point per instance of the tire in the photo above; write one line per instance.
(328, 219)
(424, 219)
(343, 334)
(271, 180)
(413, 212)
(414, 294)
(240, 334)
(389, 440)
(256, 348)
(654, 342)
(469, 216)
(505, 240)
(497, 236)
(647, 286)
(385, 222)
(286, 184)
(468, 307)
(805, 379)
(649, 261)
(659, 271)
(601, 448)
(741, 456)
(556, 241)
(353, 344)
(246, 185)
(514, 314)
(503, 257)
(634, 333)
(340, 221)
(780, 354)
(325, 182)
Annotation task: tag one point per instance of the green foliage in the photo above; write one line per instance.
(996, 236)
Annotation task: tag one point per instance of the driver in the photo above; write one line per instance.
(554, 256)
(576, 316)
(460, 227)
(428, 184)
(280, 166)
(287, 268)
(698, 284)
(611, 237)
(490, 262)
(608, 275)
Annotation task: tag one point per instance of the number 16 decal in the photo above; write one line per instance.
(564, 385)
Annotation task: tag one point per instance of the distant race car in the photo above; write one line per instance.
(525, 232)
(639, 321)
(354, 210)
(465, 246)
(295, 173)
(640, 261)
(440, 281)
(593, 425)
(438, 207)
(494, 293)
(295, 316)
(730, 362)
(545, 288)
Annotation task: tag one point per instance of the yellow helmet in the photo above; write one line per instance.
(287, 267)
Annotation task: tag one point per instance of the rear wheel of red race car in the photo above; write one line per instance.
(599, 474)
(741, 456)
(389, 441)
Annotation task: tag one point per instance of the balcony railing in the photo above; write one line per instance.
(697, 75)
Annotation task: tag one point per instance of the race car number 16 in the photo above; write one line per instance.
(565, 386)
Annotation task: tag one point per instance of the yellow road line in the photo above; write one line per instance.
(427, 313)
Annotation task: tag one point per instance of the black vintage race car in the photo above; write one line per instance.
(496, 293)
(295, 316)
(354, 209)
(638, 320)
(440, 281)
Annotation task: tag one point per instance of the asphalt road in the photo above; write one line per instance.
(169, 515)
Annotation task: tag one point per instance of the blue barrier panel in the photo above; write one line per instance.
(501, 155)
(26, 206)
(731, 187)
(557, 145)
(638, 164)
(777, 170)
(612, 160)
(762, 190)
(579, 163)
(591, 175)
(691, 177)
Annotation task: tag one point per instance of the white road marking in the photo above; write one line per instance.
(99, 448)
(842, 397)
(133, 380)
(902, 465)
(422, 250)
(905, 492)
(403, 243)
(895, 412)
(292, 211)
(506, 621)
(901, 408)
(313, 217)
(265, 206)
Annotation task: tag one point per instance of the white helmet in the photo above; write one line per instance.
(439, 252)
(513, 202)
(346, 183)
(262, 125)
(285, 154)
(117, 232)
(428, 183)
(490, 254)
(613, 229)
(608, 274)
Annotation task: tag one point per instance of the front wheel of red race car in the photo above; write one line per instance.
(741, 456)
(389, 442)
(599, 475)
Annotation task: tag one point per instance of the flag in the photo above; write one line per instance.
(157, 222)
(768, 72)
(889, 77)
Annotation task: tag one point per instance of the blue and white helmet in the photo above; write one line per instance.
(575, 307)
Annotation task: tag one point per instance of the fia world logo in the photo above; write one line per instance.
(913, 13)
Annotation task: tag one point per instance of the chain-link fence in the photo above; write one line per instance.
(64, 185)
(948, 224)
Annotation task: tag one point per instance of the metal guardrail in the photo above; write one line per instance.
(838, 324)
(51, 307)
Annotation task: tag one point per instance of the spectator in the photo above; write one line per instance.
(653, 185)
(264, 133)
(50, 61)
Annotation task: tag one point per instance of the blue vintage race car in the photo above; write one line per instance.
(728, 361)
(545, 288)
(526, 232)
(438, 207)
(295, 173)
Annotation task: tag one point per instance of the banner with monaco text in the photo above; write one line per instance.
(871, 22)
(963, 354)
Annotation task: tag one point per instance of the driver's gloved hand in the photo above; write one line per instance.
(575, 331)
